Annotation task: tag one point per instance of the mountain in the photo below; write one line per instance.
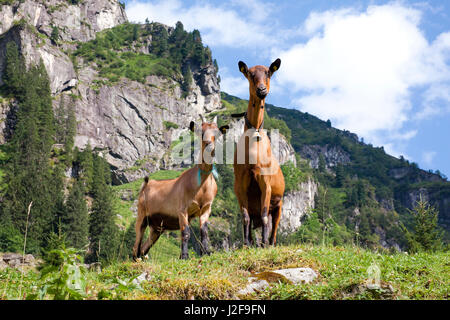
(398, 183)
(134, 89)
(361, 180)
(125, 81)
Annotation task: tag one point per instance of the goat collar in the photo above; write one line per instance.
(200, 171)
(247, 122)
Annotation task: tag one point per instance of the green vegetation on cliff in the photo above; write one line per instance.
(120, 52)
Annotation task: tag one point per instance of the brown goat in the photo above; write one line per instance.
(171, 204)
(258, 179)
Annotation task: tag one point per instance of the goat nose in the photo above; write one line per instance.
(261, 91)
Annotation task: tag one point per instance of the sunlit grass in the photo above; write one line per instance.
(222, 274)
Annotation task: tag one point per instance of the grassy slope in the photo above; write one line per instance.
(221, 275)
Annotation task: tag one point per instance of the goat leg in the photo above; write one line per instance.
(185, 234)
(246, 219)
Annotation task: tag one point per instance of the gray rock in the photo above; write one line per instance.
(296, 204)
(333, 155)
(3, 265)
(126, 120)
(58, 65)
(75, 22)
(15, 260)
(298, 275)
(145, 276)
(7, 257)
(95, 266)
(262, 281)
(254, 287)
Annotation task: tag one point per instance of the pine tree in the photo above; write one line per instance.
(27, 173)
(425, 235)
(187, 79)
(75, 220)
(159, 45)
(71, 131)
(135, 32)
(103, 233)
(57, 194)
(178, 34)
(13, 75)
(340, 177)
(322, 164)
(86, 166)
(54, 36)
(60, 122)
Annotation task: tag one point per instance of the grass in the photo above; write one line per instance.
(222, 274)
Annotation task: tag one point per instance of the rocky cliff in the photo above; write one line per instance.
(296, 204)
(333, 155)
(33, 24)
(127, 119)
(75, 22)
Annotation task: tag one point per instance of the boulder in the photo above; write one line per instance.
(298, 275)
(295, 276)
(16, 260)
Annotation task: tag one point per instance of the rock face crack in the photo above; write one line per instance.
(129, 140)
(132, 106)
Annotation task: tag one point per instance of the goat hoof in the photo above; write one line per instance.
(138, 260)
(145, 257)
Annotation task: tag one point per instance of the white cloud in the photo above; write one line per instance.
(359, 69)
(236, 86)
(428, 156)
(219, 25)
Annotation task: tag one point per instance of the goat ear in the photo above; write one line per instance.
(192, 126)
(224, 129)
(243, 68)
(275, 66)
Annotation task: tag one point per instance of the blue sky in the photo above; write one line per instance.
(380, 69)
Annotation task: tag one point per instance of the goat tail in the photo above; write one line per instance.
(144, 185)
(142, 198)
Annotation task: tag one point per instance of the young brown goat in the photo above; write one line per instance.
(258, 179)
(171, 204)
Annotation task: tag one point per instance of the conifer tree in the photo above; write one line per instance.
(86, 166)
(60, 121)
(160, 39)
(13, 75)
(425, 235)
(340, 177)
(103, 233)
(187, 79)
(27, 173)
(75, 220)
(322, 164)
(71, 129)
